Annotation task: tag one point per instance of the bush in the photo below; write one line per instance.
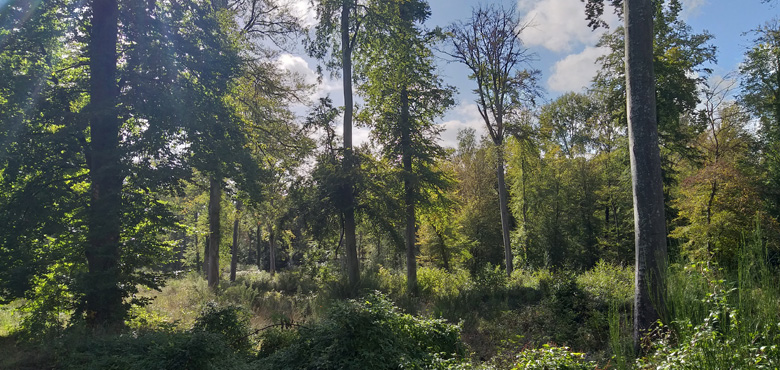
(155, 350)
(231, 323)
(609, 283)
(240, 294)
(219, 339)
(437, 283)
(724, 340)
(550, 357)
(369, 333)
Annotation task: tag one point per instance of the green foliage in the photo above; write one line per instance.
(477, 221)
(50, 303)
(723, 340)
(9, 317)
(721, 318)
(231, 322)
(197, 350)
(438, 283)
(608, 283)
(552, 357)
(275, 339)
(368, 333)
(218, 340)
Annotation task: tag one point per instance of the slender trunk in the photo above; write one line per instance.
(411, 232)
(102, 294)
(206, 257)
(649, 221)
(502, 202)
(179, 264)
(713, 192)
(524, 208)
(350, 243)
(271, 250)
(234, 248)
(445, 258)
(259, 247)
(215, 197)
(197, 246)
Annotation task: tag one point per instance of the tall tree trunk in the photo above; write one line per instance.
(259, 247)
(271, 250)
(179, 263)
(409, 190)
(197, 246)
(234, 248)
(350, 243)
(649, 221)
(206, 257)
(502, 202)
(445, 256)
(215, 205)
(102, 294)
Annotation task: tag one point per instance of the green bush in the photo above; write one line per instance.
(275, 339)
(721, 341)
(231, 323)
(368, 333)
(240, 294)
(392, 283)
(608, 283)
(551, 358)
(287, 282)
(154, 350)
(218, 340)
(436, 283)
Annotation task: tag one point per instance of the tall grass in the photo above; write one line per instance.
(10, 317)
(722, 319)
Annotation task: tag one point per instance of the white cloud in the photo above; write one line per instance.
(360, 135)
(304, 11)
(465, 115)
(575, 71)
(692, 8)
(559, 25)
(300, 67)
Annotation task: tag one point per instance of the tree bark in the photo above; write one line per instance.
(103, 296)
(206, 257)
(409, 190)
(234, 248)
(445, 258)
(502, 202)
(259, 247)
(350, 243)
(215, 205)
(649, 221)
(271, 250)
(197, 246)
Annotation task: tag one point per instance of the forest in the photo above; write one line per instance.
(171, 197)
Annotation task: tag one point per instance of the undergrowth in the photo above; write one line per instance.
(538, 319)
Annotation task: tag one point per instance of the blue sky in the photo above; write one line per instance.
(565, 47)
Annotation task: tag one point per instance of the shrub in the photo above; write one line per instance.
(240, 294)
(152, 350)
(369, 333)
(608, 283)
(437, 283)
(721, 341)
(231, 323)
(218, 340)
(551, 357)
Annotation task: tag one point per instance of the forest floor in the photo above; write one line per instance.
(583, 318)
